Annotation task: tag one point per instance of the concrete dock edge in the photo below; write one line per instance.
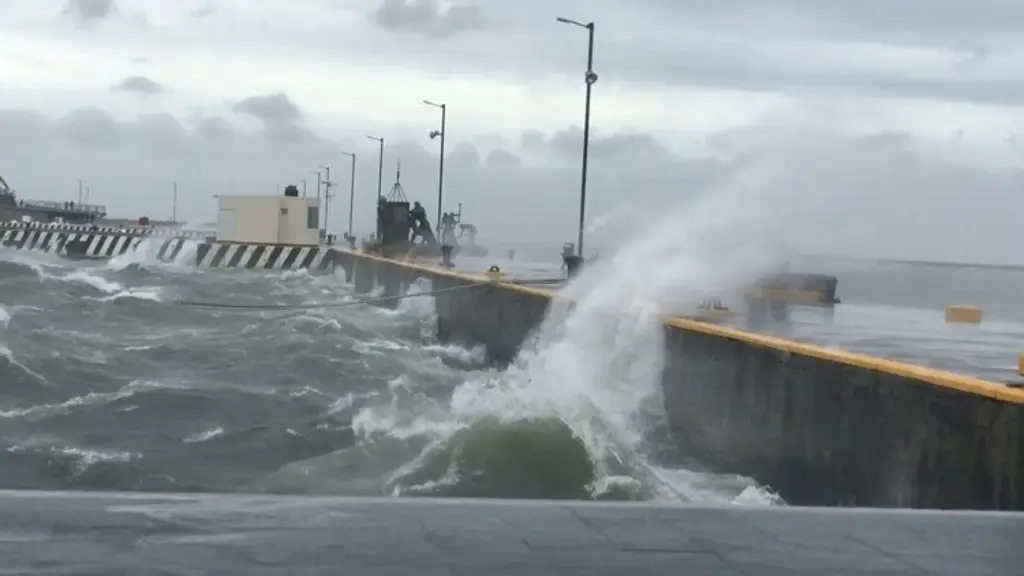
(822, 427)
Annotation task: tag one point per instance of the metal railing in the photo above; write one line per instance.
(69, 207)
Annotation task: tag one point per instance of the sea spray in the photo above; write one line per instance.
(147, 253)
(596, 365)
(594, 368)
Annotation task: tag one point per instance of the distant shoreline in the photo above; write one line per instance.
(928, 263)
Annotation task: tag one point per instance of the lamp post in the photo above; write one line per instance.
(319, 181)
(174, 204)
(440, 169)
(351, 192)
(327, 183)
(590, 79)
(380, 180)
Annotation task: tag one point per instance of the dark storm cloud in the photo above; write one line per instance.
(908, 20)
(283, 120)
(270, 108)
(965, 51)
(215, 129)
(881, 195)
(427, 17)
(90, 11)
(140, 85)
(204, 11)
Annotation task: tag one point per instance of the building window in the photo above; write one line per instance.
(313, 217)
(284, 211)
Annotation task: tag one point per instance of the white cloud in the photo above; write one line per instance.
(692, 94)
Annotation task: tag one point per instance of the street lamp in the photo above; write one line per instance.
(174, 205)
(327, 183)
(590, 78)
(380, 179)
(440, 170)
(351, 191)
(319, 184)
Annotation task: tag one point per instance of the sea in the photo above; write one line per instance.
(110, 380)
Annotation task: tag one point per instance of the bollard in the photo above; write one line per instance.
(573, 264)
(446, 257)
(494, 273)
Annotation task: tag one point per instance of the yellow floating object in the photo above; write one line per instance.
(494, 273)
(963, 314)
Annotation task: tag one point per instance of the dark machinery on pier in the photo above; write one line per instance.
(403, 229)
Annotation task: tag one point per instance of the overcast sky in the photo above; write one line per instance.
(894, 124)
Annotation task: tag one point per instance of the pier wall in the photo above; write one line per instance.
(86, 242)
(225, 255)
(169, 245)
(822, 427)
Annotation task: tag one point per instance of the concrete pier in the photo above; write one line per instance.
(67, 533)
(822, 427)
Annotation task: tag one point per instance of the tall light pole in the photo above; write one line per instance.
(351, 191)
(440, 169)
(327, 183)
(319, 183)
(174, 204)
(303, 187)
(380, 181)
(590, 79)
(88, 189)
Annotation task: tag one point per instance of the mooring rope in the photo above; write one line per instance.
(380, 300)
(537, 281)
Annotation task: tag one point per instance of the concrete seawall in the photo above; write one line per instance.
(822, 427)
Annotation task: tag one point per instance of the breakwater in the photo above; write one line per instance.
(76, 241)
(236, 255)
(822, 427)
(168, 244)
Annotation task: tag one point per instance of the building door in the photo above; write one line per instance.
(226, 224)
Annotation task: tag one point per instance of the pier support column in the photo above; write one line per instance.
(757, 311)
(779, 310)
(394, 286)
(365, 275)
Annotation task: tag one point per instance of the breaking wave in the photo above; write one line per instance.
(110, 384)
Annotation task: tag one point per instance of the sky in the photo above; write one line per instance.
(876, 128)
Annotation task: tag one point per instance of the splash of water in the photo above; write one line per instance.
(147, 254)
(597, 366)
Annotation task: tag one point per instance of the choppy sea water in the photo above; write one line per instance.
(107, 382)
